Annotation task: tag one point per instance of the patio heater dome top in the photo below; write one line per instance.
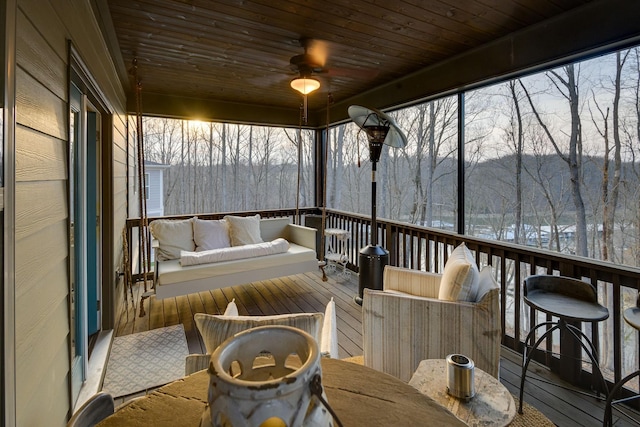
(379, 126)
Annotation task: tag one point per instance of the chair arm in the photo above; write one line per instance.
(301, 235)
(329, 336)
(414, 282)
(196, 362)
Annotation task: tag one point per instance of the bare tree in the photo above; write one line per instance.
(567, 85)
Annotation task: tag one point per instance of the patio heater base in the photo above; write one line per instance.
(372, 260)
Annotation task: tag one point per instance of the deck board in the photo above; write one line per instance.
(308, 293)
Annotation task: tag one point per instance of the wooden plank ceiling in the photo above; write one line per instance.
(239, 51)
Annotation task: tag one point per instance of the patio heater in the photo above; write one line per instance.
(380, 129)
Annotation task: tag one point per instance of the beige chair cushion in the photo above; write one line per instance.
(244, 230)
(173, 236)
(215, 329)
(460, 276)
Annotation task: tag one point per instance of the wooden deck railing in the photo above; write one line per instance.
(427, 249)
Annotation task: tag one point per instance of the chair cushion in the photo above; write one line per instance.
(244, 230)
(173, 236)
(460, 276)
(215, 329)
(210, 234)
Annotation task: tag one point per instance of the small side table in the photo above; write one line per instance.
(492, 405)
(337, 255)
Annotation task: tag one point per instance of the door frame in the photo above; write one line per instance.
(80, 76)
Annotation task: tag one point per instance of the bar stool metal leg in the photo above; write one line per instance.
(569, 300)
(632, 317)
(608, 409)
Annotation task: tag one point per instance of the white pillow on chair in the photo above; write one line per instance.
(232, 309)
(486, 282)
(460, 276)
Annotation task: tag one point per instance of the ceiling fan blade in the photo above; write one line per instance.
(318, 49)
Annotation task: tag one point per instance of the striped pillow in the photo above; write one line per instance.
(460, 276)
(215, 329)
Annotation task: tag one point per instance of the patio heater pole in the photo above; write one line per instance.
(372, 258)
(381, 130)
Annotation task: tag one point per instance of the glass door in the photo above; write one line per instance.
(79, 348)
(84, 232)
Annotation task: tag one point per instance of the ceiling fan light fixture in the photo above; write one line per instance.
(305, 85)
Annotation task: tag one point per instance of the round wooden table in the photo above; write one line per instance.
(359, 395)
(492, 405)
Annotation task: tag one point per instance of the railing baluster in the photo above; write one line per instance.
(428, 249)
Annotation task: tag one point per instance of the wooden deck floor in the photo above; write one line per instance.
(308, 293)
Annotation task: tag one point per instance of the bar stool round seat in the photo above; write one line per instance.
(632, 317)
(564, 297)
(570, 300)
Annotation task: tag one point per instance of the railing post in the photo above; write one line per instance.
(391, 244)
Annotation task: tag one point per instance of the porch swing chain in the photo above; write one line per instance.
(144, 223)
(323, 222)
(297, 217)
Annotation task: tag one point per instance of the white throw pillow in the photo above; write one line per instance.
(460, 276)
(486, 282)
(232, 309)
(173, 236)
(244, 230)
(210, 234)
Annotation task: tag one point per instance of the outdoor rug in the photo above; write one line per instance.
(145, 360)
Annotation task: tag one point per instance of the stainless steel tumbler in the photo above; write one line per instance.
(460, 376)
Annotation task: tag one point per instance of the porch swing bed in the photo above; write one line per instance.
(283, 249)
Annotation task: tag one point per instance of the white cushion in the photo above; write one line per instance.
(210, 234)
(486, 282)
(460, 276)
(173, 236)
(215, 329)
(244, 230)
(278, 246)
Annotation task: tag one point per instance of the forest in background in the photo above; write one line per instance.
(550, 161)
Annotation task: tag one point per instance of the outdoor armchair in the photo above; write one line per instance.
(407, 322)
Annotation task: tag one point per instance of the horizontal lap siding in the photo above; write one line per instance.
(42, 311)
(42, 248)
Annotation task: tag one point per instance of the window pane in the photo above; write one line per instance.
(221, 167)
(556, 160)
(416, 184)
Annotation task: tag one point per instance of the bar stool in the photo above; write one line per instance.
(632, 317)
(570, 300)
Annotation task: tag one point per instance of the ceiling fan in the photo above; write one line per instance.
(310, 62)
(313, 62)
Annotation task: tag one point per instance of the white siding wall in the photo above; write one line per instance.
(155, 203)
(42, 282)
